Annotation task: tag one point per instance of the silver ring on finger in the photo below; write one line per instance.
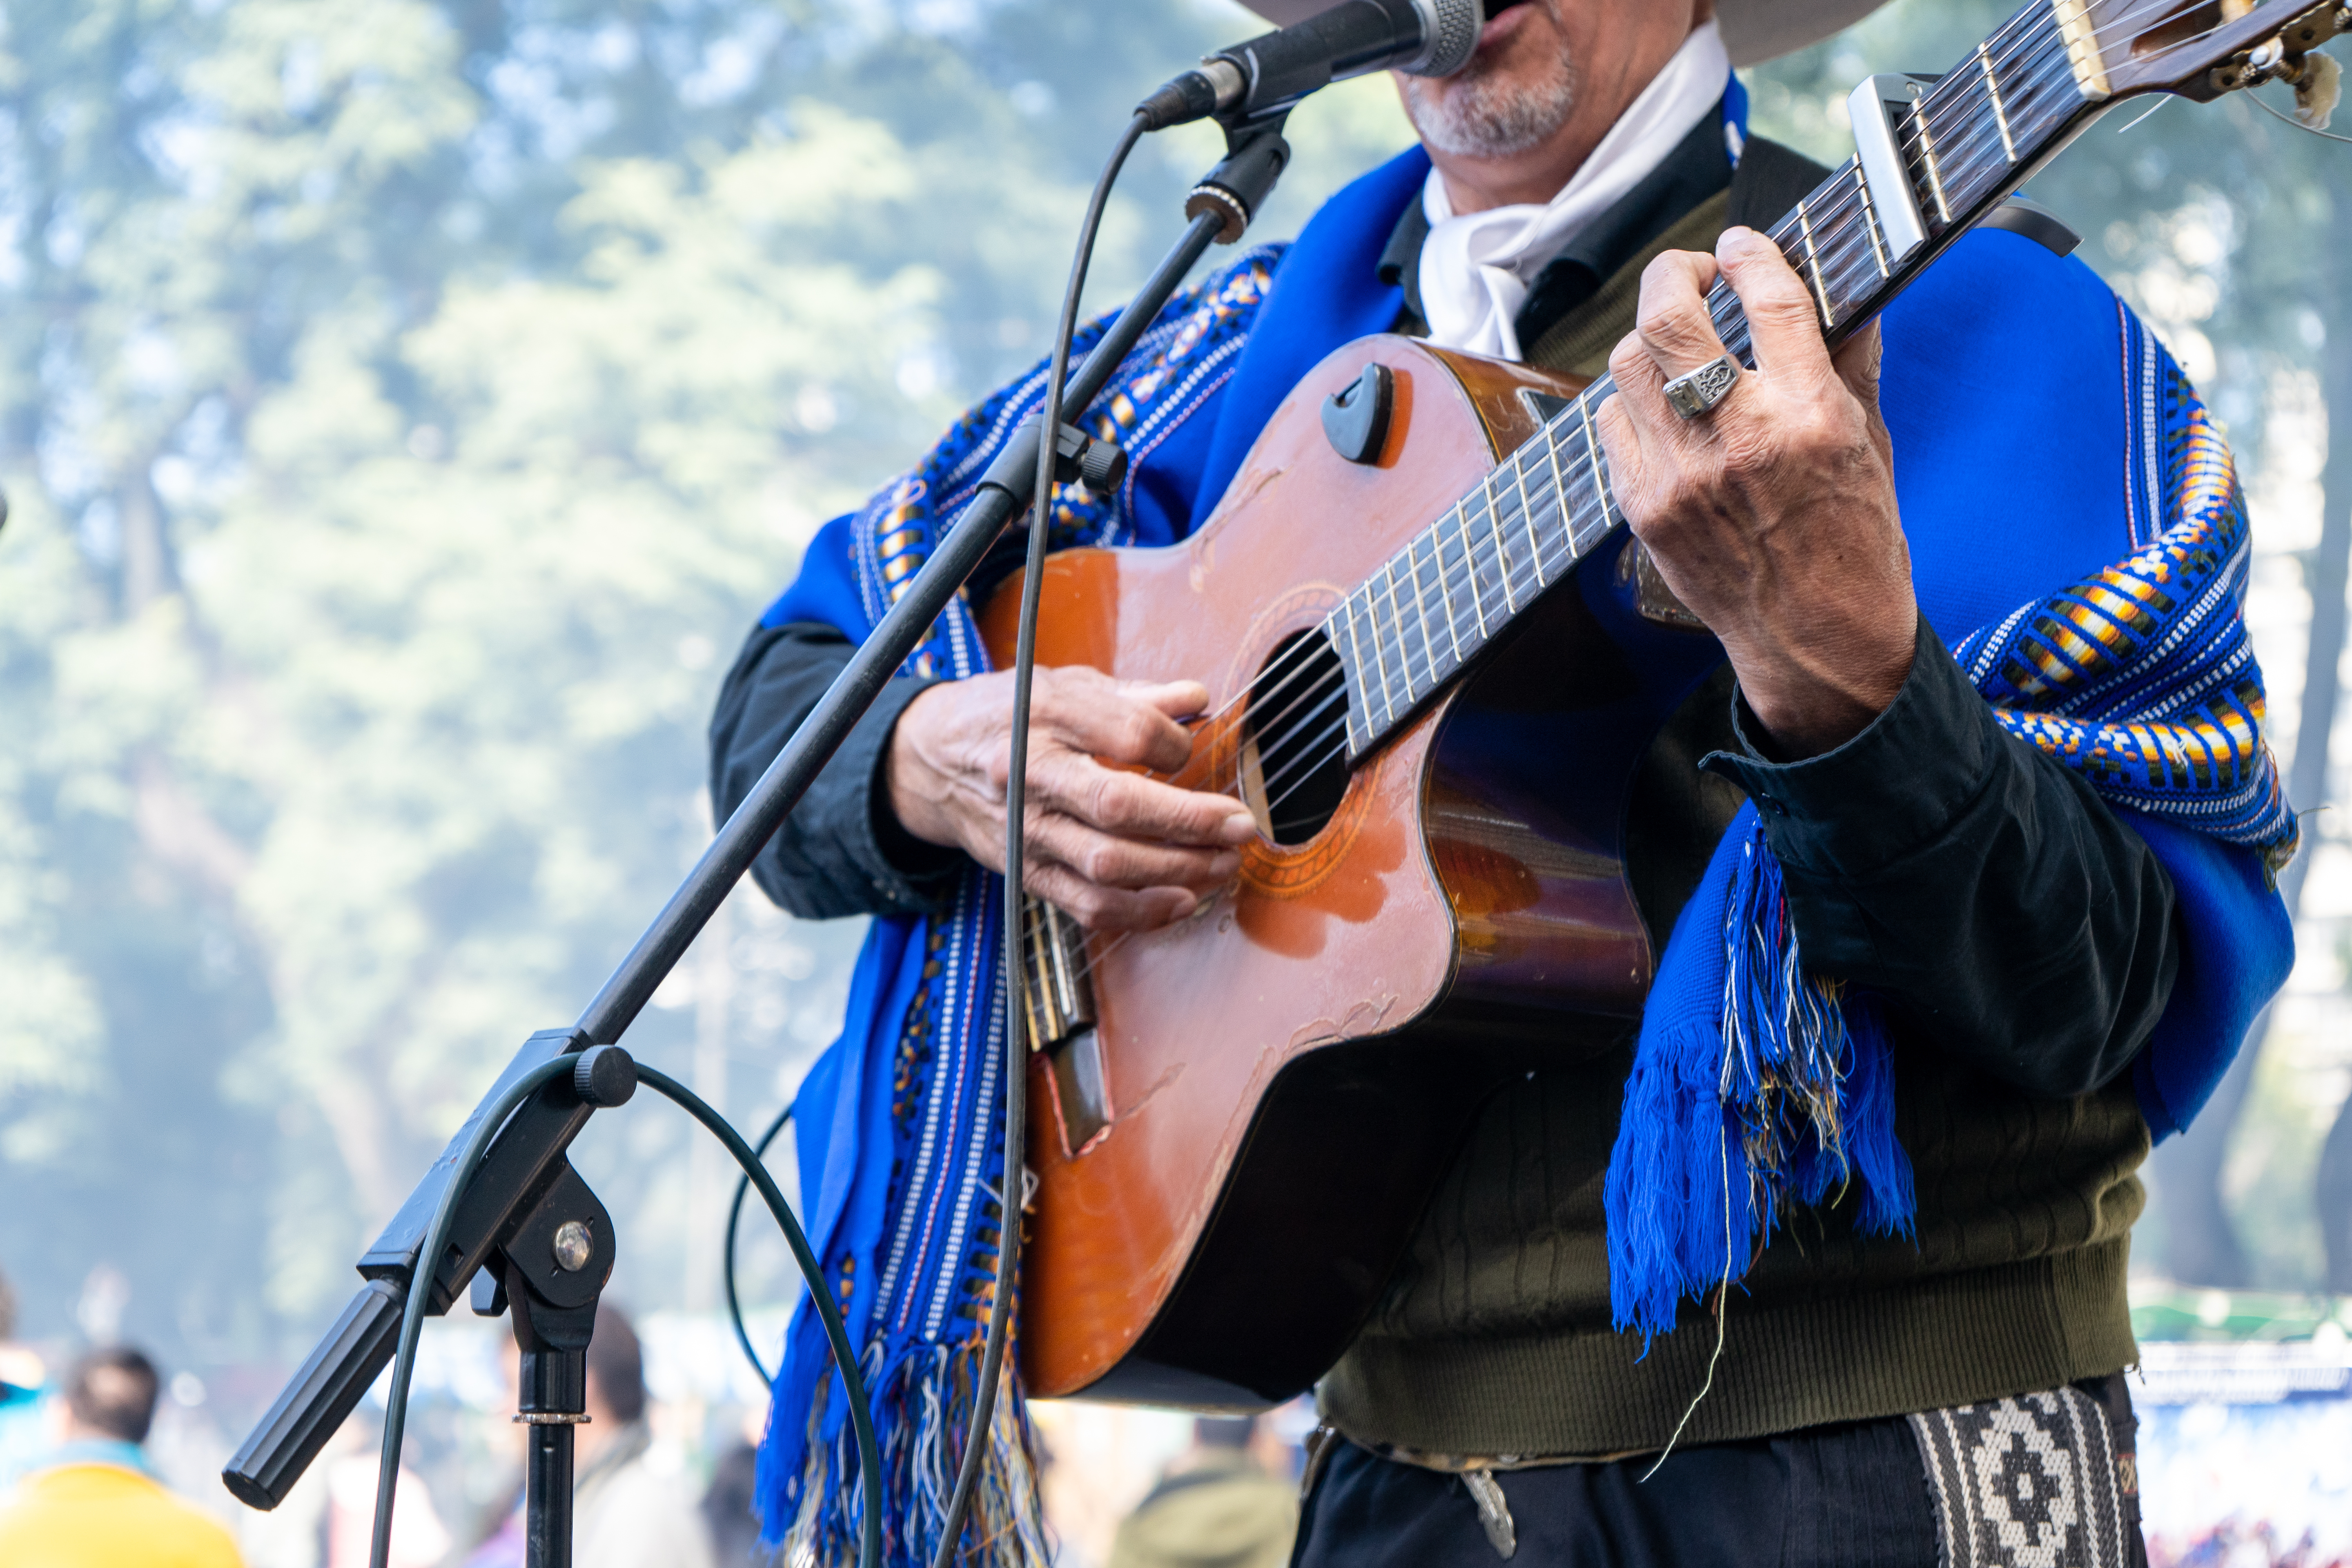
(1697, 392)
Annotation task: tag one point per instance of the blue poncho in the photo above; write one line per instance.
(2077, 537)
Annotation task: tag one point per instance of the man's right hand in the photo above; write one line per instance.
(1120, 851)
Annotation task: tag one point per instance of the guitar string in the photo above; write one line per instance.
(1328, 688)
(1839, 251)
(1845, 255)
(2037, 26)
(1472, 554)
(1318, 751)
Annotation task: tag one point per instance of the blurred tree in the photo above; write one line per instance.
(407, 403)
(2332, 1196)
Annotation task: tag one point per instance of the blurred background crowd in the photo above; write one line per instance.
(406, 404)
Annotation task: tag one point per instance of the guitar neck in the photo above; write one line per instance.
(1936, 156)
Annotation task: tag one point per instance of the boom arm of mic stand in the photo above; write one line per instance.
(528, 1153)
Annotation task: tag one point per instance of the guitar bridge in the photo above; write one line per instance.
(1058, 1002)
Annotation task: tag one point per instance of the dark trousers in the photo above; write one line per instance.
(1852, 1496)
(1855, 1496)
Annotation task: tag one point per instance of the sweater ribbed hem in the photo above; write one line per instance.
(1956, 1339)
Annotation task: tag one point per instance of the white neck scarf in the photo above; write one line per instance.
(1475, 269)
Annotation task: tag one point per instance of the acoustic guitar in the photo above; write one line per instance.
(1433, 662)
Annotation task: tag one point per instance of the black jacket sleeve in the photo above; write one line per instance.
(1978, 884)
(841, 852)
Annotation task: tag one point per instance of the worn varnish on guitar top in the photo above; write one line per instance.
(1240, 1118)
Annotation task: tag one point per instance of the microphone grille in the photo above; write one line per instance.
(1450, 30)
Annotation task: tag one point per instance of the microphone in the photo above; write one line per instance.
(1422, 37)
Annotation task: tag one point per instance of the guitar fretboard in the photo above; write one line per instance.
(1965, 140)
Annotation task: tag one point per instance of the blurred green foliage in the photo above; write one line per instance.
(406, 405)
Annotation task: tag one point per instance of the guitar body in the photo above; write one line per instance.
(1273, 1085)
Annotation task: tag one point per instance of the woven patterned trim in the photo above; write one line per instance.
(2029, 1482)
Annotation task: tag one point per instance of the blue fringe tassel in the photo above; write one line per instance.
(1754, 1085)
(922, 1416)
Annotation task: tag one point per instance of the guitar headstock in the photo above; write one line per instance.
(2197, 48)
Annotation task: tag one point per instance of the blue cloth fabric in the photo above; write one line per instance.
(2042, 436)
(2022, 467)
(2106, 598)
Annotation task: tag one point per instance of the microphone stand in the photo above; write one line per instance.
(528, 1233)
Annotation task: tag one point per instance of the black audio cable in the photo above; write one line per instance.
(727, 1257)
(1016, 1033)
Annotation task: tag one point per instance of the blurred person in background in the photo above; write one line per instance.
(628, 1509)
(629, 1512)
(94, 1503)
(23, 1434)
(729, 1502)
(1225, 1503)
(419, 1539)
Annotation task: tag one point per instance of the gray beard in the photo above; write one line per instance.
(1484, 117)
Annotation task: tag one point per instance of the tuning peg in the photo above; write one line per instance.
(2317, 91)
(2290, 55)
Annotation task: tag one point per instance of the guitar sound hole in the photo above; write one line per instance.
(1295, 750)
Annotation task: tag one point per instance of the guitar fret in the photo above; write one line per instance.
(1927, 156)
(1962, 142)
(1421, 619)
(1527, 517)
(1396, 618)
(1429, 644)
(1870, 223)
(1356, 647)
(1593, 456)
(1847, 263)
(1813, 262)
(1428, 655)
(1470, 568)
(1445, 589)
(1992, 94)
(1421, 607)
(1381, 659)
(1561, 500)
(1351, 688)
(1445, 596)
(1502, 556)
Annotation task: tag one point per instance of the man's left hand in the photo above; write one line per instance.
(1772, 516)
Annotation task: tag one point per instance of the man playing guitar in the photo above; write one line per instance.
(1848, 1393)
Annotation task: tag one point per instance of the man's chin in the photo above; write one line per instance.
(1507, 99)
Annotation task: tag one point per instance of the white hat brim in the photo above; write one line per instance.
(1753, 30)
